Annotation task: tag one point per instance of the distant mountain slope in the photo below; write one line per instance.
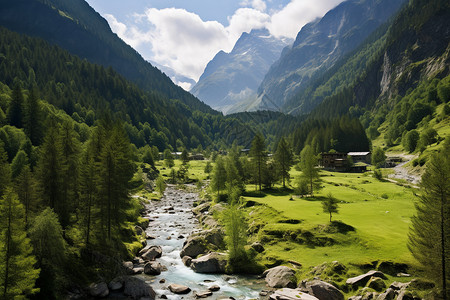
(319, 45)
(75, 26)
(233, 77)
(399, 81)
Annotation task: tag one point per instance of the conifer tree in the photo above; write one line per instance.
(17, 274)
(429, 238)
(219, 177)
(15, 111)
(33, 118)
(26, 190)
(87, 190)
(283, 160)
(330, 205)
(259, 158)
(168, 159)
(18, 163)
(308, 162)
(5, 170)
(148, 157)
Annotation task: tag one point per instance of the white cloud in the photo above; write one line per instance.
(184, 42)
(288, 21)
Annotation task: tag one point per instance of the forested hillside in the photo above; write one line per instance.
(76, 27)
(396, 81)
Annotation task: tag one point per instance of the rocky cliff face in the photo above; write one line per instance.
(233, 77)
(319, 45)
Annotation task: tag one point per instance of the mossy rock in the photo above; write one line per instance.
(377, 284)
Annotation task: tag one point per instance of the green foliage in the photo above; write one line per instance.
(208, 167)
(330, 205)
(18, 163)
(429, 238)
(258, 157)
(17, 275)
(219, 176)
(283, 160)
(378, 174)
(160, 185)
(25, 187)
(50, 248)
(236, 238)
(148, 157)
(15, 113)
(5, 170)
(410, 140)
(378, 157)
(308, 163)
(168, 159)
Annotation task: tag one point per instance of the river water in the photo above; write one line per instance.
(171, 222)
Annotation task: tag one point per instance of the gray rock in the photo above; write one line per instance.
(362, 280)
(405, 295)
(179, 289)
(377, 284)
(321, 290)
(194, 246)
(389, 294)
(280, 277)
(139, 230)
(214, 288)
(204, 294)
(138, 270)
(211, 263)
(202, 208)
(99, 290)
(152, 253)
(137, 288)
(291, 294)
(396, 286)
(153, 268)
(187, 260)
(258, 247)
(116, 284)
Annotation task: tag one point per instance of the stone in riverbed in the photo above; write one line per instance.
(204, 294)
(137, 288)
(153, 268)
(280, 277)
(214, 288)
(210, 263)
(152, 253)
(99, 290)
(179, 289)
(116, 284)
(186, 260)
(257, 247)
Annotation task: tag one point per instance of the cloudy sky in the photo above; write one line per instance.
(186, 34)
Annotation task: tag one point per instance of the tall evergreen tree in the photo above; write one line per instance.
(87, 190)
(17, 273)
(429, 238)
(26, 190)
(15, 110)
(5, 170)
(219, 176)
(308, 162)
(283, 160)
(259, 159)
(33, 118)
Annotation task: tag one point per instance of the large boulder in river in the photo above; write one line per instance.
(99, 290)
(153, 268)
(179, 289)
(152, 253)
(291, 294)
(199, 243)
(362, 280)
(210, 263)
(321, 290)
(280, 277)
(137, 288)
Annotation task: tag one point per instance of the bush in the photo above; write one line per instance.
(377, 174)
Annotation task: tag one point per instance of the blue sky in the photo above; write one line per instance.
(184, 35)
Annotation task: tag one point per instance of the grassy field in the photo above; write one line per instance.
(294, 228)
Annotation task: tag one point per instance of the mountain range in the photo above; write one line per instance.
(231, 78)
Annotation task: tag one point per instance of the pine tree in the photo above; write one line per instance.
(330, 205)
(308, 162)
(219, 177)
(168, 159)
(429, 237)
(259, 158)
(87, 190)
(15, 111)
(17, 275)
(33, 118)
(160, 185)
(26, 190)
(18, 163)
(5, 170)
(283, 160)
